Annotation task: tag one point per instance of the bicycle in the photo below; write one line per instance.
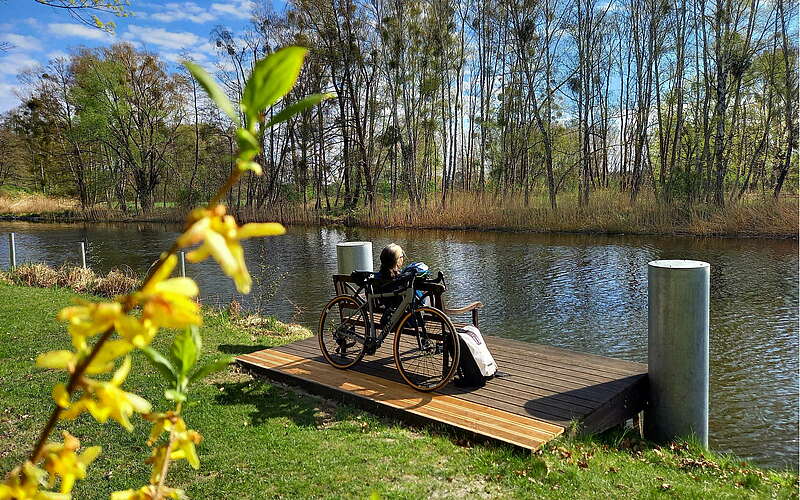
(425, 346)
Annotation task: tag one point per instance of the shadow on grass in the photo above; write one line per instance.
(237, 349)
(268, 402)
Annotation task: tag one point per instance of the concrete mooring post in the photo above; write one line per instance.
(354, 256)
(12, 251)
(677, 325)
(83, 254)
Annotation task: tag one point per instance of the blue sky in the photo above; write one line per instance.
(39, 33)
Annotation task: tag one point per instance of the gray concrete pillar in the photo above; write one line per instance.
(677, 356)
(354, 256)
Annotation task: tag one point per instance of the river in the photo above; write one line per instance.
(582, 292)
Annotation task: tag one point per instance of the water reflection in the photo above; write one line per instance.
(587, 293)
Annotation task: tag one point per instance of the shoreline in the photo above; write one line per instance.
(177, 217)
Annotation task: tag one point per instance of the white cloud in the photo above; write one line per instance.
(172, 57)
(57, 54)
(198, 57)
(183, 11)
(208, 48)
(236, 8)
(161, 37)
(77, 31)
(14, 64)
(21, 42)
(226, 65)
(8, 96)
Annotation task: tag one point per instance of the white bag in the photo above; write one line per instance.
(480, 353)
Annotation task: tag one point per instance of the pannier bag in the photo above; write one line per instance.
(476, 364)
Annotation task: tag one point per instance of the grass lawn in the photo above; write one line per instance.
(262, 440)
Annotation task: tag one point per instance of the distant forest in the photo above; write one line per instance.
(687, 101)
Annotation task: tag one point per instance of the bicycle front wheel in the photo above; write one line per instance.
(426, 349)
(342, 332)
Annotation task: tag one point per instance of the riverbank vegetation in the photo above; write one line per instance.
(615, 116)
(257, 432)
(605, 213)
(115, 282)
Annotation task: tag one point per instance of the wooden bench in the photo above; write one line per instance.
(344, 284)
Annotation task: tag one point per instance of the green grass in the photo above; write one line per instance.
(263, 440)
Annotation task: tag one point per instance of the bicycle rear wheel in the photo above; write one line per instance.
(342, 331)
(426, 349)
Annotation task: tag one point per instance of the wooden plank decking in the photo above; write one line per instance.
(542, 391)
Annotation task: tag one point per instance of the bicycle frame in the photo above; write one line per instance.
(371, 300)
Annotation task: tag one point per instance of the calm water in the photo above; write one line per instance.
(586, 293)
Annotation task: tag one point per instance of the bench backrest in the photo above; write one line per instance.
(344, 284)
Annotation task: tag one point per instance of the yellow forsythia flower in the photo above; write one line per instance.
(103, 399)
(60, 459)
(25, 483)
(183, 442)
(183, 439)
(103, 362)
(168, 302)
(148, 492)
(220, 237)
(89, 319)
(161, 422)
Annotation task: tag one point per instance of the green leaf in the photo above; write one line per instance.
(298, 107)
(244, 166)
(210, 367)
(186, 349)
(174, 395)
(212, 89)
(162, 364)
(248, 145)
(272, 78)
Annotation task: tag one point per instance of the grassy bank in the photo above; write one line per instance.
(608, 212)
(264, 440)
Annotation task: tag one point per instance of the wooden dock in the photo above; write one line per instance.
(542, 391)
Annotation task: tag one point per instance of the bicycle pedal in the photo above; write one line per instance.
(371, 348)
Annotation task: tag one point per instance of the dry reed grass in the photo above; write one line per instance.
(77, 278)
(22, 203)
(36, 275)
(116, 282)
(607, 212)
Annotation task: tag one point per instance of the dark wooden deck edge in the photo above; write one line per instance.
(623, 406)
(366, 403)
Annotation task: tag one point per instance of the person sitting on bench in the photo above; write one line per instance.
(476, 364)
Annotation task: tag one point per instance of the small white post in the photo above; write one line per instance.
(354, 256)
(183, 264)
(12, 251)
(83, 254)
(677, 326)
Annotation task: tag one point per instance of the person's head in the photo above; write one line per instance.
(392, 257)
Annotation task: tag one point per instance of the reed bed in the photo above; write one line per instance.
(116, 282)
(24, 203)
(606, 212)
